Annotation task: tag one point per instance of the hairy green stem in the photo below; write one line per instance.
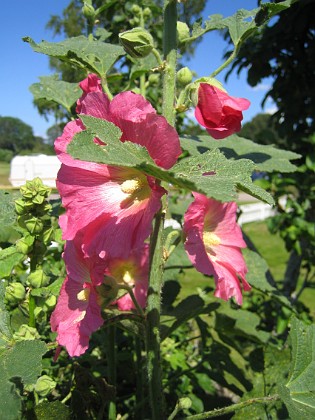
(153, 319)
(234, 407)
(170, 57)
(111, 353)
(157, 240)
(226, 63)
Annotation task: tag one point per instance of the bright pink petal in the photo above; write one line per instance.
(74, 319)
(96, 204)
(213, 244)
(218, 112)
(77, 313)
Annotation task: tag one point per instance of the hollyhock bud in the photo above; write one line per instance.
(26, 332)
(37, 279)
(184, 76)
(182, 31)
(44, 385)
(218, 112)
(14, 293)
(137, 42)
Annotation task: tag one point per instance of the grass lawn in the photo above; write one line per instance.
(4, 173)
(271, 247)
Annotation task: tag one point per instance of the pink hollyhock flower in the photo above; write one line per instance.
(78, 312)
(213, 245)
(112, 208)
(107, 203)
(218, 112)
(132, 272)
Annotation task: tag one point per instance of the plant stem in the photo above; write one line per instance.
(234, 407)
(157, 239)
(111, 362)
(153, 319)
(226, 63)
(170, 57)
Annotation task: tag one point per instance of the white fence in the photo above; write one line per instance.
(254, 212)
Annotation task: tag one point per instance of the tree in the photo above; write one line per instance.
(262, 129)
(285, 51)
(15, 135)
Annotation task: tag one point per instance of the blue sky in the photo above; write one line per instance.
(20, 66)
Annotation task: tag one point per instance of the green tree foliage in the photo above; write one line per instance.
(262, 129)
(285, 51)
(15, 135)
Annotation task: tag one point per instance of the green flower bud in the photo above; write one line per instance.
(184, 76)
(88, 11)
(37, 279)
(44, 385)
(135, 9)
(26, 333)
(154, 79)
(137, 42)
(182, 32)
(50, 302)
(184, 403)
(34, 187)
(34, 225)
(147, 12)
(14, 293)
(22, 206)
(25, 245)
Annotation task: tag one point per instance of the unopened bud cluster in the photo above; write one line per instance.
(33, 212)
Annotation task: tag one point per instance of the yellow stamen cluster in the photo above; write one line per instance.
(83, 295)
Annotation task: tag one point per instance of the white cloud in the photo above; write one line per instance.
(262, 87)
(271, 110)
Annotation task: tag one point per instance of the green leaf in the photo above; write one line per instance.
(9, 258)
(5, 329)
(52, 411)
(257, 276)
(7, 207)
(231, 322)
(10, 401)
(24, 360)
(225, 176)
(242, 24)
(51, 88)
(299, 392)
(266, 383)
(265, 158)
(94, 56)
(187, 309)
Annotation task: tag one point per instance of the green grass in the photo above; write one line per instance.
(271, 247)
(4, 173)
